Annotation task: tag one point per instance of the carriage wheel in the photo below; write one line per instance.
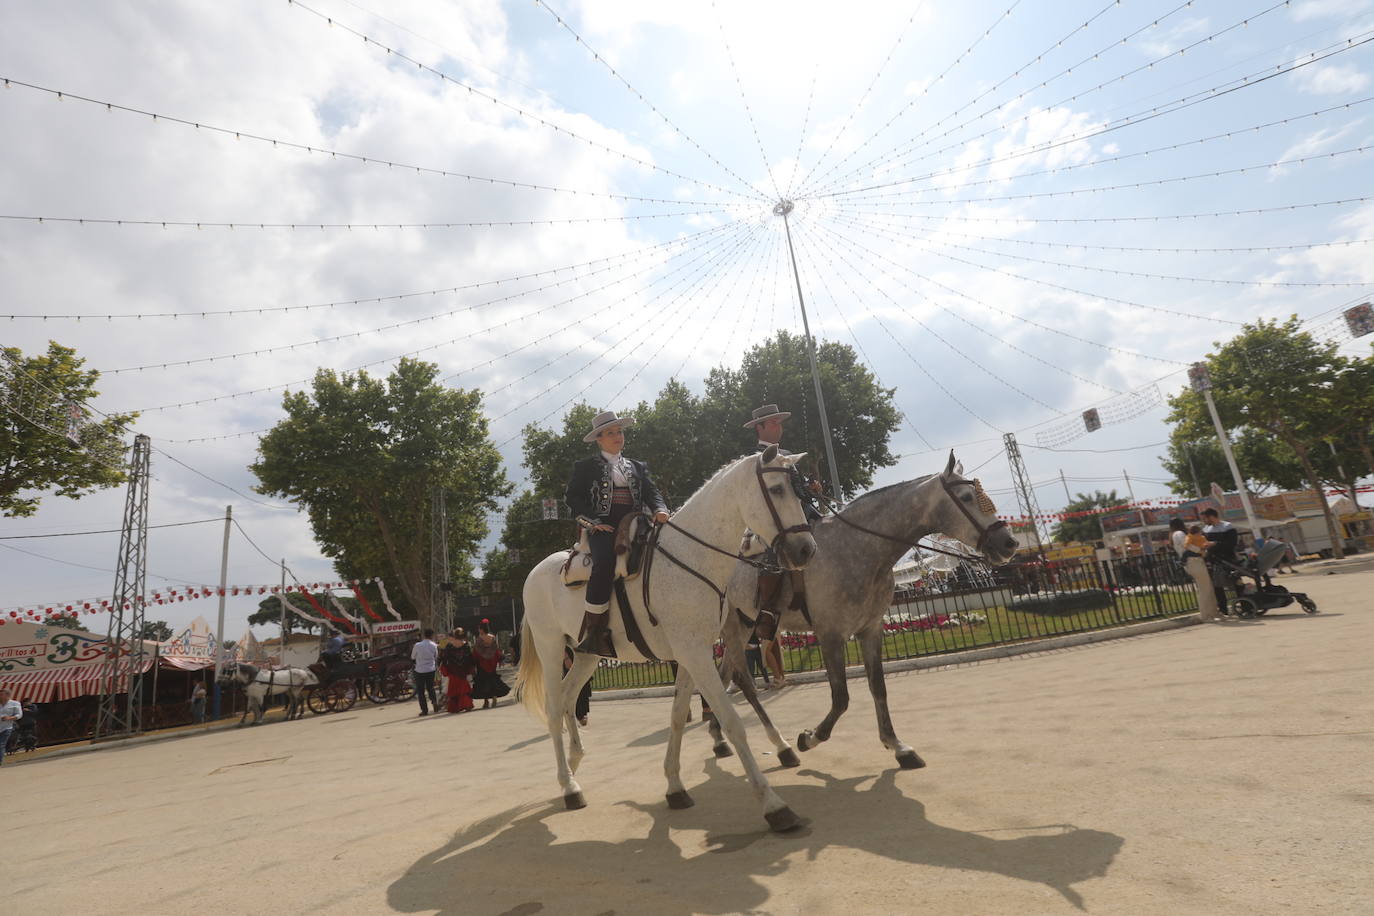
(376, 690)
(342, 695)
(1243, 608)
(1308, 605)
(317, 698)
(402, 688)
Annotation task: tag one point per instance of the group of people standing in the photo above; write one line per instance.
(468, 666)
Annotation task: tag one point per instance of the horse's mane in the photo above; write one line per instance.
(892, 486)
(720, 471)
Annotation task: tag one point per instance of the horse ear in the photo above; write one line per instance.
(794, 460)
(769, 454)
(949, 468)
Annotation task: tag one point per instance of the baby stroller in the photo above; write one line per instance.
(1258, 595)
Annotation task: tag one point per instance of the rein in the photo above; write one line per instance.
(983, 531)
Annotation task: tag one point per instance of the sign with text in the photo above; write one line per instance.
(392, 627)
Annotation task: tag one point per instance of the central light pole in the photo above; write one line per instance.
(783, 208)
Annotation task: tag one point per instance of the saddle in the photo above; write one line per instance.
(631, 539)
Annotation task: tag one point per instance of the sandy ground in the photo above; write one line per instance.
(1215, 769)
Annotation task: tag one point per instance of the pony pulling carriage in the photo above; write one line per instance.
(321, 689)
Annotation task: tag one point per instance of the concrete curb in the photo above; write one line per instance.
(1005, 650)
(122, 743)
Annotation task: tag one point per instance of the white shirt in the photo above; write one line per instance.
(617, 464)
(11, 708)
(426, 656)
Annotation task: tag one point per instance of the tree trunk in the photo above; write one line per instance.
(1332, 530)
(414, 591)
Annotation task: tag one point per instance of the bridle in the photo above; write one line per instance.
(984, 502)
(759, 470)
(763, 565)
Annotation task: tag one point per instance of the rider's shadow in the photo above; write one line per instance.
(653, 873)
(883, 821)
(513, 864)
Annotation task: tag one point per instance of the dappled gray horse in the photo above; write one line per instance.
(849, 588)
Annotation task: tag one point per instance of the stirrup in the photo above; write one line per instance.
(596, 639)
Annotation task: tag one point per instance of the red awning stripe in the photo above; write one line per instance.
(44, 685)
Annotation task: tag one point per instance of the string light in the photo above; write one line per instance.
(340, 155)
(474, 91)
(639, 95)
(376, 330)
(632, 255)
(1334, 284)
(1007, 126)
(730, 56)
(323, 227)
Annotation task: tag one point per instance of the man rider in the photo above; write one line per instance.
(767, 423)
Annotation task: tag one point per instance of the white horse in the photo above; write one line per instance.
(683, 583)
(267, 682)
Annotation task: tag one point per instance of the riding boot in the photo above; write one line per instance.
(767, 622)
(596, 631)
(766, 625)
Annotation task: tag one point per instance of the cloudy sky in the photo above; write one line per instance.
(1015, 214)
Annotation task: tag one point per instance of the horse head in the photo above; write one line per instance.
(238, 672)
(969, 515)
(773, 511)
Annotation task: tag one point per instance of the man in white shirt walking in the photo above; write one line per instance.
(425, 654)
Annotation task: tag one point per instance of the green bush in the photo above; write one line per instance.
(1063, 603)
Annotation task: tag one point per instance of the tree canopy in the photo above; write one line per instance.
(156, 630)
(687, 437)
(1085, 528)
(34, 459)
(1288, 401)
(363, 455)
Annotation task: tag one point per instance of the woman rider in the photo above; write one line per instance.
(604, 489)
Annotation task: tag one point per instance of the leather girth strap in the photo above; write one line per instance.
(627, 616)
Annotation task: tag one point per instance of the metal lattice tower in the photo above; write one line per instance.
(120, 712)
(1025, 493)
(440, 588)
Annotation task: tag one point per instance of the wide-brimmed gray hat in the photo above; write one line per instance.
(767, 412)
(603, 420)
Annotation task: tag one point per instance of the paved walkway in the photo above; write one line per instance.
(1215, 770)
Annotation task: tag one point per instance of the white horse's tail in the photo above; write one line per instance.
(529, 681)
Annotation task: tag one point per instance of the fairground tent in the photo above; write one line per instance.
(46, 663)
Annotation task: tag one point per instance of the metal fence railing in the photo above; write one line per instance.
(1011, 604)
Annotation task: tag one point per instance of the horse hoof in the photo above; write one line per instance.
(679, 800)
(782, 820)
(723, 750)
(806, 741)
(788, 757)
(574, 801)
(910, 760)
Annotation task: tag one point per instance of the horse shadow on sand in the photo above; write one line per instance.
(514, 864)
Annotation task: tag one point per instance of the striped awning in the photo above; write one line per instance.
(48, 684)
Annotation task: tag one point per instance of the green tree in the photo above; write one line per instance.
(1084, 528)
(686, 438)
(66, 622)
(35, 459)
(1193, 449)
(1273, 379)
(269, 612)
(862, 417)
(363, 455)
(156, 630)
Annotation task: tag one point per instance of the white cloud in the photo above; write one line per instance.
(1333, 80)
